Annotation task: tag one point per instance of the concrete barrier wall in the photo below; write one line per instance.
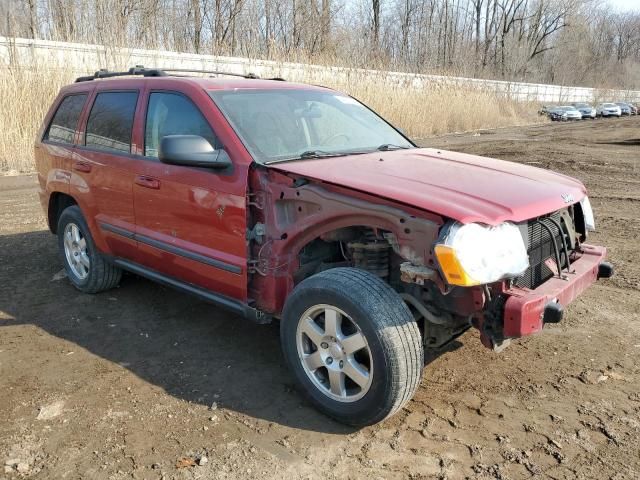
(84, 58)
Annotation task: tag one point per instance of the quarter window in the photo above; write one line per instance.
(65, 120)
(110, 122)
(173, 114)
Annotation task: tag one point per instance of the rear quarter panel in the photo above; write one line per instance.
(52, 160)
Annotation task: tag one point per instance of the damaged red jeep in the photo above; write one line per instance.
(298, 203)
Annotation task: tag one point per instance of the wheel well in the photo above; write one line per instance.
(57, 203)
(358, 246)
(363, 247)
(440, 318)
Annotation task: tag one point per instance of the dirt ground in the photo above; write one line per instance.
(143, 382)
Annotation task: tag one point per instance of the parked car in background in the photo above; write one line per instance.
(608, 110)
(633, 110)
(298, 203)
(625, 109)
(586, 110)
(557, 114)
(572, 112)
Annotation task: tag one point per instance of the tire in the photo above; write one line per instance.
(392, 355)
(90, 273)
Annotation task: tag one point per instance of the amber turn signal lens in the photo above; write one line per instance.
(450, 265)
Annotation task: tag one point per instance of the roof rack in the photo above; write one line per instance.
(164, 72)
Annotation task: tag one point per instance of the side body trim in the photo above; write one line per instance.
(172, 248)
(117, 230)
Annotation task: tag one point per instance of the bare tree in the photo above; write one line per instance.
(375, 27)
(573, 41)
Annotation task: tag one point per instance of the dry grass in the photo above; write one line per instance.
(26, 94)
(25, 98)
(440, 109)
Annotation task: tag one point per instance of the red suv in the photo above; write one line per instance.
(298, 203)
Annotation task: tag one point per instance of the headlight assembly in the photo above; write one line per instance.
(587, 213)
(475, 254)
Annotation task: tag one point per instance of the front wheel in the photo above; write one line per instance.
(352, 345)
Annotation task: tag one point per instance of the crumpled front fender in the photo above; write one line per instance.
(294, 215)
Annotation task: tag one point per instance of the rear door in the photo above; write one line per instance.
(190, 222)
(104, 170)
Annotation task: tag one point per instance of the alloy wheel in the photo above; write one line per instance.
(75, 251)
(334, 353)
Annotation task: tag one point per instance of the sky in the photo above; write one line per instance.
(626, 5)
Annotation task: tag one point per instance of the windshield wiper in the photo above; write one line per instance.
(310, 154)
(315, 154)
(318, 154)
(385, 147)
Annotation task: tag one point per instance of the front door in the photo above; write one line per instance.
(190, 222)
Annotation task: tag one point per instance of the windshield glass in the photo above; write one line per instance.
(287, 124)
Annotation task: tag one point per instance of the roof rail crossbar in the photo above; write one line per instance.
(137, 70)
(212, 72)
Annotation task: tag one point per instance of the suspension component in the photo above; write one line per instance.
(371, 254)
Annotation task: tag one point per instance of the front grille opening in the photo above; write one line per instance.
(540, 250)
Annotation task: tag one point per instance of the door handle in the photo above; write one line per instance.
(82, 167)
(148, 182)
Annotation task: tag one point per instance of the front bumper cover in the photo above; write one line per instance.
(524, 309)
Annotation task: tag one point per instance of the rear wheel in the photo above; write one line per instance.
(86, 268)
(352, 344)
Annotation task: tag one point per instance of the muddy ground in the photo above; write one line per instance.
(141, 381)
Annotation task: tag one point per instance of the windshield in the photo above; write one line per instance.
(288, 124)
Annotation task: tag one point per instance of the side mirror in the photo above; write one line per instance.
(192, 151)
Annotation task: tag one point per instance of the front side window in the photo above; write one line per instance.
(65, 121)
(287, 124)
(173, 114)
(110, 122)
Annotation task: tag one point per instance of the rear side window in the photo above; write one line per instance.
(65, 120)
(110, 122)
(173, 114)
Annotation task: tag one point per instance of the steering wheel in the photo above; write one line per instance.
(331, 138)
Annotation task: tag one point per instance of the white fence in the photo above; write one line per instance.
(85, 58)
